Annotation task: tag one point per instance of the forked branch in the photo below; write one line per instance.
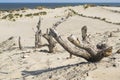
(66, 46)
(85, 52)
(51, 42)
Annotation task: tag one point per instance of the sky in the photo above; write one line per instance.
(48, 1)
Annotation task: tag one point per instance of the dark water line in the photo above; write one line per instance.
(9, 6)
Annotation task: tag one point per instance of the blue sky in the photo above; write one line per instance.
(59, 1)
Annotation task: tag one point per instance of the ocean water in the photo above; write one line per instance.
(10, 6)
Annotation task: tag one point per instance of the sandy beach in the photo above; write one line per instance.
(38, 64)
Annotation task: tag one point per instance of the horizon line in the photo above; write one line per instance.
(59, 2)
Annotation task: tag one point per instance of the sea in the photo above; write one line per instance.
(12, 6)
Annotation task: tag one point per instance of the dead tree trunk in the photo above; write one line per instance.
(7, 45)
(51, 42)
(84, 33)
(38, 35)
(38, 42)
(19, 43)
(96, 54)
(85, 52)
(67, 47)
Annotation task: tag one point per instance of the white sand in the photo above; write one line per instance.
(11, 63)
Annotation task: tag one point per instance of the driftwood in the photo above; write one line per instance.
(67, 47)
(38, 35)
(51, 42)
(84, 33)
(85, 52)
(95, 54)
(7, 45)
(19, 43)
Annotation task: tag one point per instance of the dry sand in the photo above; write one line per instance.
(45, 66)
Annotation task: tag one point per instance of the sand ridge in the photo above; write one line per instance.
(39, 65)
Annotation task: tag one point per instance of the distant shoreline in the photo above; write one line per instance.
(13, 6)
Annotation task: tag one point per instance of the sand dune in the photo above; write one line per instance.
(98, 12)
(14, 67)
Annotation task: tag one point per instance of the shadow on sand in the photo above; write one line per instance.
(37, 72)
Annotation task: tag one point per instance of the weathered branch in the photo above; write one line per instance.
(88, 48)
(72, 51)
(39, 24)
(38, 41)
(52, 43)
(38, 35)
(96, 55)
(85, 52)
(84, 33)
(19, 43)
